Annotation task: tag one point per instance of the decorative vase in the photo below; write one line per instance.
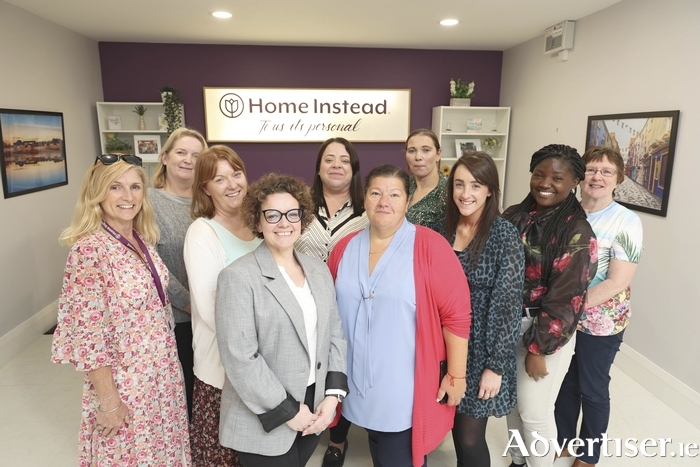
(142, 123)
(457, 102)
(488, 150)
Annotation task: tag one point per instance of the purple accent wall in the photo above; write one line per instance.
(134, 72)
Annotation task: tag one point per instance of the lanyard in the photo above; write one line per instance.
(149, 261)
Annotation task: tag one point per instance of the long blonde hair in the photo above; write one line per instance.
(159, 174)
(87, 218)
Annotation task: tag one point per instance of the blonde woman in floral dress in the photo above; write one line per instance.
(619, 231)
(115, 324)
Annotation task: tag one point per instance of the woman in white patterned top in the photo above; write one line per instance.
(339, 200)
(602, 324)
(337, 195)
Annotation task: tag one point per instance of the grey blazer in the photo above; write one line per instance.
(262, 341)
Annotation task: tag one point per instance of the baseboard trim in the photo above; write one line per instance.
(671, 391)
(26, 333)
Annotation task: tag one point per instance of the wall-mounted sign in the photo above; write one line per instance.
(306, 115)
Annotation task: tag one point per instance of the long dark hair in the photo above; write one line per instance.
(484, 171)
(558, 229)
(356, 194)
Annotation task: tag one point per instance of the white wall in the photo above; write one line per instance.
(44, 67)
(638, 55)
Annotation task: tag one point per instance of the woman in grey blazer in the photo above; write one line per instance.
(279, 333)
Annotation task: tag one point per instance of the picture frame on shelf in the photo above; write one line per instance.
(147, 147)
(114, 122)
(162, 123)
(34, 152)
(647, 143)
(463, 146)
(475, 125)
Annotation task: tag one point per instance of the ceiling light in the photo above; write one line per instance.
(449, 22)
(221, 14)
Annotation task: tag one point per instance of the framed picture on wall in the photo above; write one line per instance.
(647, 143)
(33, 151)
(147, 147)
(463, 146)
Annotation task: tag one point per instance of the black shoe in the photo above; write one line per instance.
(513, 464)
(333, 457)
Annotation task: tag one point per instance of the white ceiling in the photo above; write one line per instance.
(484, 24)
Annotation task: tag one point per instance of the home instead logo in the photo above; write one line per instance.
(276, 115)
(231, 105)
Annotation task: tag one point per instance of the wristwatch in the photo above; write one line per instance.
(340, 398)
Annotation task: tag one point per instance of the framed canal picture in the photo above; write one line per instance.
(33, 151)
(647, 143)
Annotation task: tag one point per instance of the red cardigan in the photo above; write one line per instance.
(442, 300)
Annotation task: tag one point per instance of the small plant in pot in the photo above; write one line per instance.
(115, 145)
(172, 105)
(140, 110)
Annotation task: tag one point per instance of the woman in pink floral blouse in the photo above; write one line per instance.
(560, 261)
(115, 324)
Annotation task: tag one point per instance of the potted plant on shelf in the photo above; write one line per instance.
(461, 93)
(115, 145)
(490, 143)
(172, 105)
(140, 110)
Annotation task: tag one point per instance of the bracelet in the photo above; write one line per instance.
(108, 398)
(111, 410)
(453, 378)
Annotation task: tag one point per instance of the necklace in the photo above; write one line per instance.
(375, 252)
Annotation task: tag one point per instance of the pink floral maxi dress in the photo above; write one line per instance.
(110, 314)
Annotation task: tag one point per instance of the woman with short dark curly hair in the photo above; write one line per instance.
(280, 335)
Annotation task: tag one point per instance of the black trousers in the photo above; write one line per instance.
(183, 337)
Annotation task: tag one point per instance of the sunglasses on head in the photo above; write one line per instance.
(109, 159)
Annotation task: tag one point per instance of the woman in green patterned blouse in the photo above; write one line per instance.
(428, 185)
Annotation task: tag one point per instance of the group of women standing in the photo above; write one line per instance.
(423, 277)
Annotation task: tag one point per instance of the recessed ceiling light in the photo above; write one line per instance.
(449, 22)
(222, 14)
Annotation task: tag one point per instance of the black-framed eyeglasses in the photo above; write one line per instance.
(603, 172)
(273, 216)
(109, 159)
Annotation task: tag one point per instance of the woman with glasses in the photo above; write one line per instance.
(171, 196)
(115, 324)
(603, 323)
(215, 239)
(279, 333)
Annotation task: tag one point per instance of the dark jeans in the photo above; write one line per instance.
(389, 449)
(586, 387)
(297, 456)
(183, 337)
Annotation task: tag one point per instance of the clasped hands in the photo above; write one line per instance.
(313, 423)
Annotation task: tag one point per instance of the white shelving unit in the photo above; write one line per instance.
(130, 122)
(495, 122)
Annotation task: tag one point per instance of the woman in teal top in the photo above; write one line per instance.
(428, 185)
(215, 239)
